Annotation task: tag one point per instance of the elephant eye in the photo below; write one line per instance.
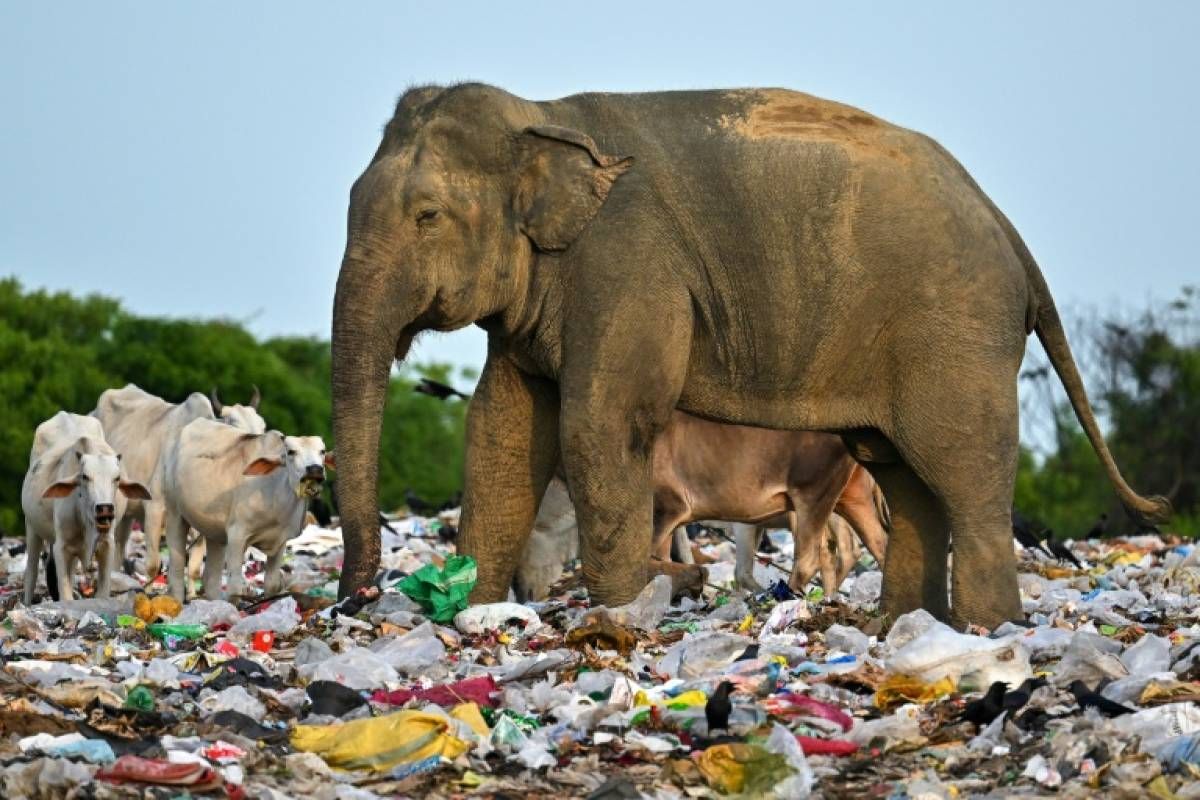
(427, 216)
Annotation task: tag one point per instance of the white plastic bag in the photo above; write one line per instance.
(495, 616)
(972, 662)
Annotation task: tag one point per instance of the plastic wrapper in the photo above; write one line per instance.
(210, 613)
(234, 698)
(412, 653)
(359, 669)
(697, 655)
(280, 617)
(496, 616)
(972, 662)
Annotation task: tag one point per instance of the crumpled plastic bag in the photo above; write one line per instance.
(163, 606)
(358, 668)
(644, 612)
(495, 616)
(698, 655)
(847, 639)
(1086, 659)
(234, 698)
(478, 690)
(442, 592)
(209, 612)
(972, 662)
(900, 689)
(1148, 655)
(380, 743)
(43, 779)
(799, 784)
(415, 651)
(736, 768)
(904, 725)
(281, 617)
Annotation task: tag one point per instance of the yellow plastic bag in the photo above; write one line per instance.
(381, 743)
(149, 610)
(468, 713)
(736, 768)
(899, 689)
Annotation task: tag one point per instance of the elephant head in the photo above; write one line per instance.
(468, 185)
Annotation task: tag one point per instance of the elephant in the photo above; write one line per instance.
(752, 256)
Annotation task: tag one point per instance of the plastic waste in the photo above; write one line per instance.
(442, 593)
(168, 631)
(161, 607)
(901, 689)
(311, 651)
(140, 698)
(645, 611)
(785, 614)
(972, 662)
(380, 743)
(908, 627)
(358, 668)
(412, 653)
(1085, 659)
(280, 617)
(1150, 654)
(784, 743)
(903, 725)
(211, 613)
(333, 699)
(263, 641)
(739, 768)
(479, 690)
(132, 769)
(496, 616)
(847, 639)
(234, 698)
(697, 655)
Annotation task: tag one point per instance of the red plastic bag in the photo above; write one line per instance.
(794, 705)
(472, 690)
(813, 746)
(131, 769)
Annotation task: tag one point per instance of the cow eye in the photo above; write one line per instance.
(291, 452)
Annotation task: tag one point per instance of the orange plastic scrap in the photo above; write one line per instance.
(900, 689)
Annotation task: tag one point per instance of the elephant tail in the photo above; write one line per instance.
(1048, 326)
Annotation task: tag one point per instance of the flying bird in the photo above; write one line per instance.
(717, 709)
(1086, 698)
(439, 390)
(987, 708)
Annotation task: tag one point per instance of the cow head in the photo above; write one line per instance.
(303, 457)
(102, 491)
(243, 417)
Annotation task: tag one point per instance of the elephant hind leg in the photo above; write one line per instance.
(914, 571)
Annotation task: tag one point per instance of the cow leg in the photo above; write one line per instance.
(63, 566)
(153, 524)
(176, 531)
(235, 559)
(105, 564)
(121, 538)
(745, 537)
(681, 546)
(196, 558)
(859, 506)
(33, 560)
(273, 576)
(214, 564)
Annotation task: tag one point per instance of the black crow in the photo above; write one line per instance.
(717, 709)
(749, 653)
(439, 390)
(1062, 552)
(417, 505)
(987, 708)
(1015, 700)
(1025, 533)
(1100, 528)
(1086, 698)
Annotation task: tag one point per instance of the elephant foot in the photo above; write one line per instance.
(688, 579)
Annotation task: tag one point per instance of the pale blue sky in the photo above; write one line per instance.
(195, 159)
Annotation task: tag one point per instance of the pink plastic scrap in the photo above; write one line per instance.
(796, 705)
(472, 690)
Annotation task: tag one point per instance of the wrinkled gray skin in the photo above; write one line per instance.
(761, 257)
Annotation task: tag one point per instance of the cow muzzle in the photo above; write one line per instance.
(314, 472)
(105, 514)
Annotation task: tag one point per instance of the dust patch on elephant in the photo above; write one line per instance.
(784, 114)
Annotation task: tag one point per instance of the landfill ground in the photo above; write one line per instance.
(391, 696)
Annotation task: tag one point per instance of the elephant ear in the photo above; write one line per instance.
(564, 180)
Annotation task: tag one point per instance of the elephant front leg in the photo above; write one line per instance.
(511, 453)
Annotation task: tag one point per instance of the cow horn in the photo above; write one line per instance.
(216, 402)
(255, 398)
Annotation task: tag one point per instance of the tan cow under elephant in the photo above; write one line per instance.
(753, 256)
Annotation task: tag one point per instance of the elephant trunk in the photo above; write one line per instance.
(368, 335)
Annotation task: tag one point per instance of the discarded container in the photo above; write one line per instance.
(263, 641)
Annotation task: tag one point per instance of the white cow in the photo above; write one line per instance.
(73, 494)
(238, 490)
(553, 542)
(143, 427)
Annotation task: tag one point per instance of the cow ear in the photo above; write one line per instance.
(262, 466)
(330, 461)
(61, 489)
(134, 491)
(563, 181)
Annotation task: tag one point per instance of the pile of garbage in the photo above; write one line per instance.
(407, 690)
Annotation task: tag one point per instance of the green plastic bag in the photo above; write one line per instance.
(164, 629)
(442, 592)
(140, 698)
